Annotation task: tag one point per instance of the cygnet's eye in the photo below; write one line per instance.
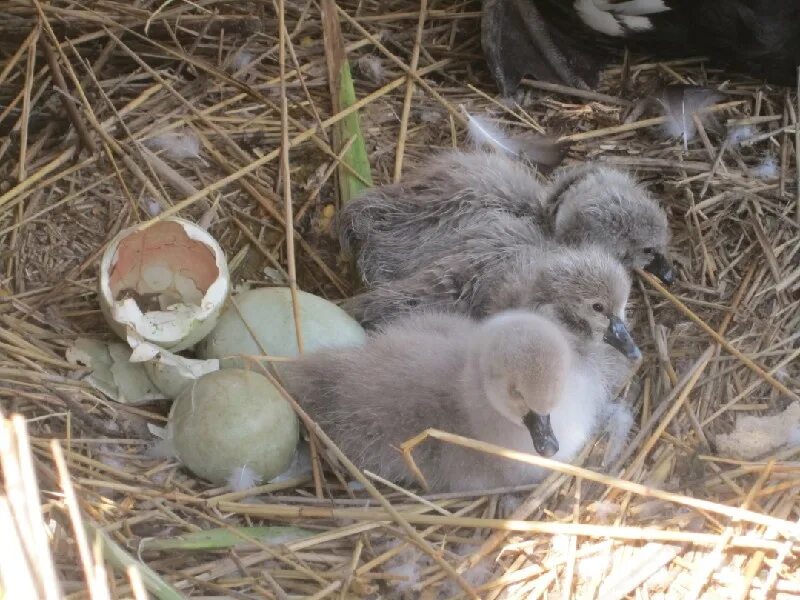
(649, 251)
(597, 307)
(514, 392)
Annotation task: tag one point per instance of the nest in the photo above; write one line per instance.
(88, 92)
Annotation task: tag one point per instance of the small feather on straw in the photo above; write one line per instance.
(243, 478)
(679, 103)
(768, 168)
(739, 134)
(241, 60)
(176, 145)
(541, 151)
(152, 206)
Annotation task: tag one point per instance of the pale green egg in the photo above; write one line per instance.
(233, 419)
(261, 321)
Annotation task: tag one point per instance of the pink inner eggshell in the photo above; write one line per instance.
(163, 245)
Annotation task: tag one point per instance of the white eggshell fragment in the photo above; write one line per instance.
(261, 321)
(166, 283)
(172, 373)
(232, 419)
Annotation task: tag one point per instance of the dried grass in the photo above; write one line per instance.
(672, 520)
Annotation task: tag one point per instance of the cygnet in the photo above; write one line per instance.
(394, 230)
(574, 285)
(525, 381)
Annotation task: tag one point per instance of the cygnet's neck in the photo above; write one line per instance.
(573, 330)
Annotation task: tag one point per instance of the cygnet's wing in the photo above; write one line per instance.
(458, 252)
(434, 289)
(389, 230)
(372, 398)
(460, 276)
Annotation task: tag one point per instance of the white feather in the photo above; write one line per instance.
(768, 168)
(678, 104)
(177, 145)
(243, 478)
(152, 206)
(597, 18)
(739, 134)
(300, 465)
(614, 18)
(242, 59)
(482, 132)
(634, 7)
(536, 149)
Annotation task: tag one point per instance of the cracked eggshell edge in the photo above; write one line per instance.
(177, 330)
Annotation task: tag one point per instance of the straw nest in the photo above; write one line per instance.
(677, 518)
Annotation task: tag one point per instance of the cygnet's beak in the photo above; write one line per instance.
(544, 440)
(661, 268)
(618, 337)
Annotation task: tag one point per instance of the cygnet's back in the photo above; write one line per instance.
(392, 230)
(484, 381)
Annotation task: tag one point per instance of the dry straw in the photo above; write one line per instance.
(86, 512)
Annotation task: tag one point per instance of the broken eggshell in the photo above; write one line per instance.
(172, 373)
(169, 372)
(230, 420)
(112, 371)
(266, 313)
(166, 283)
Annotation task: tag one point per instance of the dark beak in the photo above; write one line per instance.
(618, 337)
(544, 440)
(661, 268)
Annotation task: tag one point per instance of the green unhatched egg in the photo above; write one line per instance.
(233, 419)
(261, 322)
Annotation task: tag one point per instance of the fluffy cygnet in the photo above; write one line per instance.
(585, 288)
(394, 230)
(516, 380)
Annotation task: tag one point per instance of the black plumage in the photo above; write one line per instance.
(570, 41)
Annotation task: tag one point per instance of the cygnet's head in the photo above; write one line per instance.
(600, 205)
(522, 361)
(584, 289)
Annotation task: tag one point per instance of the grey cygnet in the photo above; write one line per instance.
(394, 230)
(566, 282)
(522, 380)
